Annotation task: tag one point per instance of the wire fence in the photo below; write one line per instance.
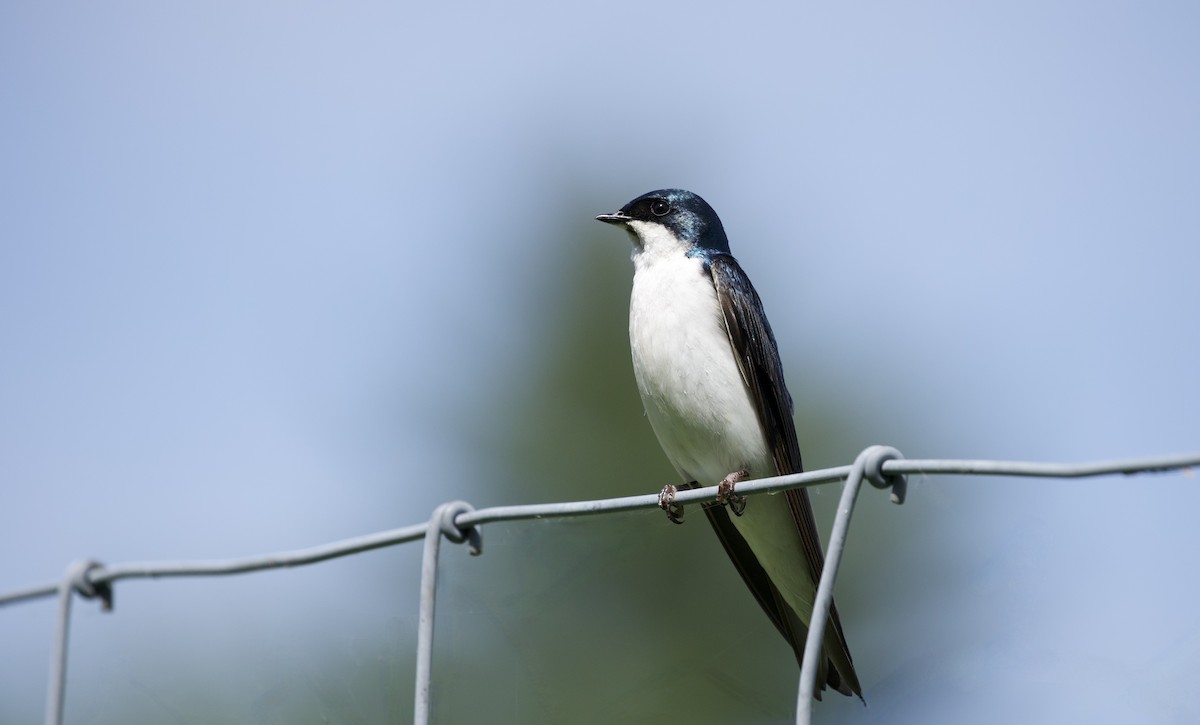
(458, 521)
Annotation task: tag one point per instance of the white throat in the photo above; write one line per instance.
(655, 243)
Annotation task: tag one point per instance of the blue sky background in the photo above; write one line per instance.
(273, 274)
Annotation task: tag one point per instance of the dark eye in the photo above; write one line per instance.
(659, 207)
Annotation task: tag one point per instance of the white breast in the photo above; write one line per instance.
(690, 384)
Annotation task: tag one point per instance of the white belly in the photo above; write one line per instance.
(693, 392)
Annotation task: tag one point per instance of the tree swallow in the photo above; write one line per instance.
(710, 378)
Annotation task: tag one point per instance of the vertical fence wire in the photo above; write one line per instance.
(442, 523)
(56, 688)
(868, 465)
(429, 562)
(74, 581)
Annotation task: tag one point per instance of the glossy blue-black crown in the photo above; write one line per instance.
(681, 211)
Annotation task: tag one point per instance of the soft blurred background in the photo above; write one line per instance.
(273, 274)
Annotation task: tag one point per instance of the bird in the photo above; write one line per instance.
(711, 382)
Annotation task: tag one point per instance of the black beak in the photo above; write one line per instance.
(616, 217)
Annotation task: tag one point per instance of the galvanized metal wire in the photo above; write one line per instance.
(457, 521)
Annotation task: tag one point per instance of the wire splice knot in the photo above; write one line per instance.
(77, 578)
(873, 471)
(446, 515)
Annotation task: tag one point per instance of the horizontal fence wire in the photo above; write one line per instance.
(457, 521)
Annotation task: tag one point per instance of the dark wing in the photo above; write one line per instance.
(758, 359)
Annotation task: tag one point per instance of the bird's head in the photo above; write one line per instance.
(671, 221)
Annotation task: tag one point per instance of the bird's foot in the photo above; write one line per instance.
(726, 495)
(666, 501)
